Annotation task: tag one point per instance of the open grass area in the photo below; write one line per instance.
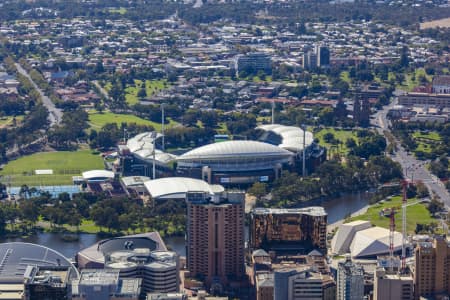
(120, 10)
(64, 164)
(432, 135)
(98, 120)
(426, 141)
(339, 135)
(8, 121)
(151, 87)
(416, 213)
(411, 79)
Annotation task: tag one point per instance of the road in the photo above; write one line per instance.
(413, 169)
(54, 114)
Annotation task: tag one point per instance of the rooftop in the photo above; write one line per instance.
(177, 187)
(314, 211)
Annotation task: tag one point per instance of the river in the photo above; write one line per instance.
(337, 210)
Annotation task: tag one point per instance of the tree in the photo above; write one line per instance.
(258, 189)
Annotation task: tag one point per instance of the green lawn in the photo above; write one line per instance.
(339, 134)
(432, 135)
(98, 120)
(417, 213)
(345, 76)
(120, 10)
(426, 142)
(64, 164)
(8, 121)
(151, 87)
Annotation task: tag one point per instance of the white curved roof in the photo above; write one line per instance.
(373, 241)
(234, 149)
(292, 137)
(97, 174)
(142, 141)
(142, 146)
(177, 187)
(340, 244)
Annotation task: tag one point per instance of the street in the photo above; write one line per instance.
(54, 113)
(413, 169)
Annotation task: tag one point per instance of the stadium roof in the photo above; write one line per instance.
(177, 187)
(235, 149)
(16, 256)
(142, 141)
(142, 146)
(291, 136)
(95, 174)
(373, 241)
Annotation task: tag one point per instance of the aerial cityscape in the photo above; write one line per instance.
(210, 149)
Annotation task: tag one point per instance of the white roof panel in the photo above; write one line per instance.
(292, 137)
(234, 149)
(97, 174)
(177, 187)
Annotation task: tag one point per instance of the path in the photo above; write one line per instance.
(55, 114)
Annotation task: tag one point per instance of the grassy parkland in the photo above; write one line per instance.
(98, 119)
(415, 213)
(64, 164)
(338, 142)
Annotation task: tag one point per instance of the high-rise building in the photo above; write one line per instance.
(431, 270)
(309, 60)
(323, 56)
(350, 280)
(253, 62)
(289, 230)
(392, 285)
(215, 238)
(303, 284)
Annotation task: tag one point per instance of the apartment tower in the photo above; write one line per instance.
(431, 270)
(215, 238)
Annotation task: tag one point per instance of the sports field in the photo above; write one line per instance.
(64, 164)
(98, 120)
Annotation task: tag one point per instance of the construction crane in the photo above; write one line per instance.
(404, 183)
(391, 238)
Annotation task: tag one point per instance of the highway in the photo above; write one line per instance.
(413, 169)
(55, 114)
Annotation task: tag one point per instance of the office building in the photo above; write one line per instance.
(288, 230)
(309, 60)
(303, 284)
(167, 296)
(323, 56)
(392, 285)
(350, 280)
(100, 284)
(431, 269)
(47, 283)
(251, 63)
(441, 84)
(264, 284)
(215, 238)
(424, 99)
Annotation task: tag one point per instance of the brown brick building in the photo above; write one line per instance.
(285, 230)
(431, 269)
(215, 238)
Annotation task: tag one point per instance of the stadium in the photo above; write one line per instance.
(233, 162)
